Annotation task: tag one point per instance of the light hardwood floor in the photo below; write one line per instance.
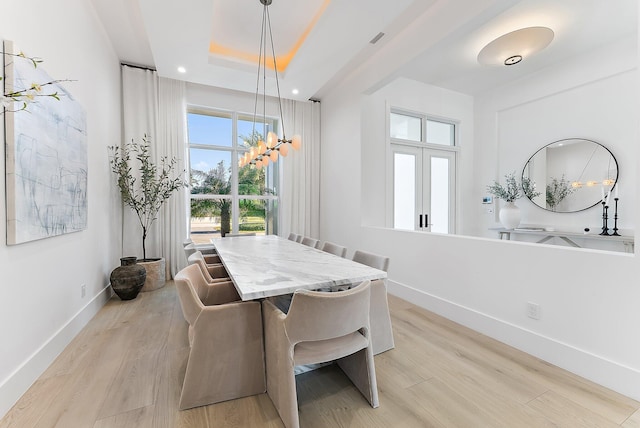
(125, 370)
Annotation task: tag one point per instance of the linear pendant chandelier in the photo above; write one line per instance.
(266, 152)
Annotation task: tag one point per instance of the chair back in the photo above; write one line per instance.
(198, 259)
(338, 250)
(314, 315)
(309, 242)
(371, 260)
(187, 242)
(238, 235)
(293, 237)
(194, 274)
(190, 301)
(190, 249)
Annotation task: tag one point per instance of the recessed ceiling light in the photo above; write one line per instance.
(295, 92)
(182, 69)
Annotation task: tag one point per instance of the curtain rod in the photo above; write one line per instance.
(142, 67)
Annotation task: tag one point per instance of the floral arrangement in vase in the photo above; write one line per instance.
(512, 190)
(557, 190)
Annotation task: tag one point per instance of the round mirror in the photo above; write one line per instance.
(570, 175)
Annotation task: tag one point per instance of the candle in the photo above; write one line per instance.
(608, 196)
(602, 191)
(617, 186)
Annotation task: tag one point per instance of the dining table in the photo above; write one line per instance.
(268, 265)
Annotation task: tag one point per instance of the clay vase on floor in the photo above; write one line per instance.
(128, 278)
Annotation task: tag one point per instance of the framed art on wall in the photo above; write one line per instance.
(46, 153)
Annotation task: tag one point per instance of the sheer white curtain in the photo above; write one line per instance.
(300, 196)
(155, 106)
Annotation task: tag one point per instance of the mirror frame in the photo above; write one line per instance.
(615, 182)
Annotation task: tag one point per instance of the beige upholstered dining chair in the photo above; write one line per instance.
(212, 272)
(309, 242)
(210, 258)
(335, 249)
(226, 359)
(293, 237)
(189, 249)
(381, 330)
(299, 239)
(238, 235)
(203, 248)
(318, 328)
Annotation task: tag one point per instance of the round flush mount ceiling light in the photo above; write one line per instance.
(515, 46)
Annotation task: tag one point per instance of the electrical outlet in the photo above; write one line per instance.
(83, 290)
(533, 310)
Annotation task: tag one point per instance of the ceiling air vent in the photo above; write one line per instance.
(376, 38)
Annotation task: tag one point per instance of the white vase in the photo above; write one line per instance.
(510, 215)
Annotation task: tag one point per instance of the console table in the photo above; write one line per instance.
(568, 237)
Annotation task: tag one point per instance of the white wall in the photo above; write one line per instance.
(588, 298)
(226, 99)
(593, 96)
(406, 94)
(41, 308)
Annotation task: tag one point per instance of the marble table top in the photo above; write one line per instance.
(264, 266)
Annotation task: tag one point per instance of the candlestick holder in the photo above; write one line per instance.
(605, 227)
(615, 220)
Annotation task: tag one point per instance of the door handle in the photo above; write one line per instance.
(420, 221)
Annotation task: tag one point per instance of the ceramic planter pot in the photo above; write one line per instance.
(510, 215)
(156, 274)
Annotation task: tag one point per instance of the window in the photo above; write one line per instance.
(224, 197)
(423, 172)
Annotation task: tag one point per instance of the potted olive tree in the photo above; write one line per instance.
(145, 193)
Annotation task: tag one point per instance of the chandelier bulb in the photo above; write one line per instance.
(284, 149)
(272, 139)
(262, 147)
(273, 155)
(296, 142)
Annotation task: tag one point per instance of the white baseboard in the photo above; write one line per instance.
(24, 376)
(615, 376)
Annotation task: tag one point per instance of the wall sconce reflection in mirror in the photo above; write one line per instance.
(575, 172)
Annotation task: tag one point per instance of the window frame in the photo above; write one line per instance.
(237, 150)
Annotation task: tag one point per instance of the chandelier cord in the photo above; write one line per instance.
(264, 72)
(587, 164)
(269, 147)
(260, 55)
(275, 69)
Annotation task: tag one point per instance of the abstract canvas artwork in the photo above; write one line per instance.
(46, 156)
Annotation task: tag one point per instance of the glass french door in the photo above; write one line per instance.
(424, 189)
